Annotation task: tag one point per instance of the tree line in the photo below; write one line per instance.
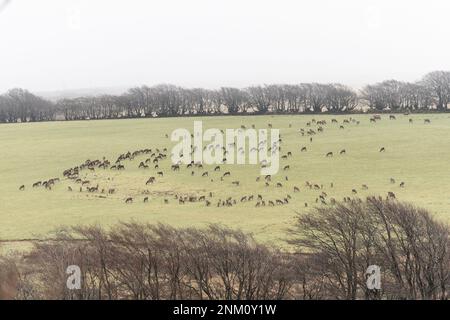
(332, 248)
(431, 93)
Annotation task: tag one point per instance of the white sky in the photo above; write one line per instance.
(60, 44)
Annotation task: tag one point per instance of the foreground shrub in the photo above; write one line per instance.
(406, 242)
(334, 245)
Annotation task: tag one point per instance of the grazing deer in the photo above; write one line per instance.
(279, 185)
(382, 149)
(402, 184)
(145, 199)
(236, 183)
(342, 151)
(354, 191)
(365, 187)
(391, 117)
(303, 149)
(217, 168)
(129, 200)
(296, 189)
(205, 174)
(391, 195)
(22, 187)
(329, 154)
(427, 121)
(286, 167)
(160, 173)
(37, 184)
(228, 173)
(392, 180)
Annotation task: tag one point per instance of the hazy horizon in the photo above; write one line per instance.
(51, 46)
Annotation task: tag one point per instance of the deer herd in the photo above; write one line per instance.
(155, 159)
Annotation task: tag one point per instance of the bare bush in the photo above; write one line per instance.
(409, 246)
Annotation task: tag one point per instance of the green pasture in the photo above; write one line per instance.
(417, 154)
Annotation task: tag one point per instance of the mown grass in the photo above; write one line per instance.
(417, 154)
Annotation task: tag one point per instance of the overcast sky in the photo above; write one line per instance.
(51, 45)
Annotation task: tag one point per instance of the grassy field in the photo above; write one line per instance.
(417, 154)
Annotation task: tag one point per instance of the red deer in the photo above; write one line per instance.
(296, 189)
(129, 200)
(286, 167)
(235, 183)
(391, 195)
(22, 187)
(329, 154)
(226, 174)
(342, 151)
(160, 173)
(382, 149)
(427, 121)
(145, 199)
(391, 117)
(303, 149)
(402, 185)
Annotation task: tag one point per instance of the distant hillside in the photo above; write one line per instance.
(74, 93)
